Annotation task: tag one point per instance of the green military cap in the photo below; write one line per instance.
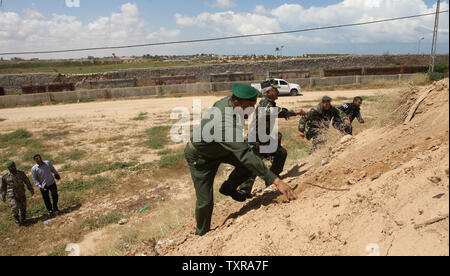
(10, 164)
(326, 99)
(244, 91)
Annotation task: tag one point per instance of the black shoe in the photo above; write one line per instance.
(224, 189)
(24, 219)
(17, 220)
(51, 214)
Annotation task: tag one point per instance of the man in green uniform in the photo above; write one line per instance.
(317, 122)
(278, 158)
(207, 151)
(13, 189)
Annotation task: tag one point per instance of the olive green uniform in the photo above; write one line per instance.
(278, 158)
(317, 122)
(13, 189)
(204, 159)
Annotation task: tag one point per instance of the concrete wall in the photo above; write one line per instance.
(206, 87)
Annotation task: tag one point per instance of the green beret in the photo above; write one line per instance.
(10, 164)
(244, 91)
(326, 99)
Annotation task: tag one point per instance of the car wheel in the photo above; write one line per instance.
(294, 92)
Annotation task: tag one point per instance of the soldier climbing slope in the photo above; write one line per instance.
(317, 122)
(278, 158)
(13, 189)
(205, 156)
(353, 110)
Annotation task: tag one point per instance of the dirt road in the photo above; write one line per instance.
(121, 109)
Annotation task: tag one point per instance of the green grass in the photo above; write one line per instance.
(164, 152)
(79, 67)
(53, 135)
(103, 220)
(73, 155)
(171, 160)
(1, 119)
(75, 185)
(113, 167)
(376, 98)
(20, 146)
(143, 166)
(157, 136)
(19, 137)
(5, 157)
(141, 117)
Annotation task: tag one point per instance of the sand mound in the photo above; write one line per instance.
(385, 191)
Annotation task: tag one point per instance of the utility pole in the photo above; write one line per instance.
(435, 34)
(420, 40)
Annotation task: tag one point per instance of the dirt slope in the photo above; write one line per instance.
(384, 191)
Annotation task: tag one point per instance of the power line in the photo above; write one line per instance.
(221, 38)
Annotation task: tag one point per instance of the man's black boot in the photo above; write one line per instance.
(226, 190)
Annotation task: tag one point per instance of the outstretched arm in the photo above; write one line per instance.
(360, 118)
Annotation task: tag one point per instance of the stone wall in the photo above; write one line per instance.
(99, 84)
(262, 68)
(13, 83)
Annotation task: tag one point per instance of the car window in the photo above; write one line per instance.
(283, 83)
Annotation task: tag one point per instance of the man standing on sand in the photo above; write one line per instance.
(42, 174)
(317, 122)
(205, 155)
(13, 189)
(353, 110)
(278, 158)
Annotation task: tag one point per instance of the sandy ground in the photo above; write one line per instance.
(383, 192)
(125, 109)
(104, 129)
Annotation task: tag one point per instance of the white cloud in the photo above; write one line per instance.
(353, 11)
(32, 31)
(231, 23)
(222, 4)
(261, 10)
(295, 16)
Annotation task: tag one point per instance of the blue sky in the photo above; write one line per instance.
(51, 25)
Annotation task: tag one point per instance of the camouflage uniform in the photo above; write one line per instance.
(317, 122)
(353, 112)
(277, 158)
(13, 189)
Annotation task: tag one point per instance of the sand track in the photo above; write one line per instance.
(390, 197)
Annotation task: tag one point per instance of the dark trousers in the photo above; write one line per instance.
(203, 171)
(53, 189)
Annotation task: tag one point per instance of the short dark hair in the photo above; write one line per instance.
(36, 155)
(357, 99)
